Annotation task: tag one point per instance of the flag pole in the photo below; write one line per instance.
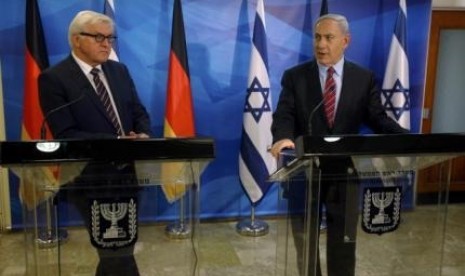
(179, 230)
(51, 236)
(252, 227)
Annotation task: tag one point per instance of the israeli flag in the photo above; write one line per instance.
(109, 10)
(396, 86)
(255, 162)
(396, 99)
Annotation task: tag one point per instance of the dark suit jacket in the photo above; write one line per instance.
(86, 118)
(359, 103)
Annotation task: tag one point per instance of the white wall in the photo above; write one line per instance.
(449, 91)
(448, 4)
(449, 83)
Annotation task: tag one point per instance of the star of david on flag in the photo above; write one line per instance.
(257, 99)
(397, 100)
(396, 87)
(255, 162)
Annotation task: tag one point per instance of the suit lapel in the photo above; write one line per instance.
(344, 100)
(113, 83)
(80, 80)
(84, 86)
(315, 94)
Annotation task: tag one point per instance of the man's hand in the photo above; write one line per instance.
(133, 135)
(280, 145)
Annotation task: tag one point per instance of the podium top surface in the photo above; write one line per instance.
(169, 149)
(373, 153)
(391, 144)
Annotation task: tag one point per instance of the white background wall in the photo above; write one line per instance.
(448, 4)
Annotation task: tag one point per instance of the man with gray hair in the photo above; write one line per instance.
(88, 96)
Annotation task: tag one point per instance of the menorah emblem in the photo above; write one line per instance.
(381, 200)
(106, 215)
(381, 209)
(114, 212)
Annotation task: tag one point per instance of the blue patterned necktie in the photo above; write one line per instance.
(105, 98)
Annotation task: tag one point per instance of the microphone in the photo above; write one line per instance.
(56, 109)
(310, 118)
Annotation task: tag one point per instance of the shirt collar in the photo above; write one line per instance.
(337, 68)
(86, 68)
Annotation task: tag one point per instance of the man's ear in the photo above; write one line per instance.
(347, 39)
(75, 40)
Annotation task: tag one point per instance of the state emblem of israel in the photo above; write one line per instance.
(381, 209)
(113, 222)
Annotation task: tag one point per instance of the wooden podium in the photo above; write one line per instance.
(59, 176)
(381, 169)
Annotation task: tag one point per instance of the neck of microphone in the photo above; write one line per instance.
(312, 114)
(56, 109)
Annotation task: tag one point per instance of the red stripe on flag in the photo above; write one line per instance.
(36, 60)
(179, 110)
(32, 114)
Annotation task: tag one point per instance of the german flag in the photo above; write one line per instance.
(179, 115)
(36, 60)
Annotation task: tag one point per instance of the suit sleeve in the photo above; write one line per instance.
(139, 115)
(283, 126)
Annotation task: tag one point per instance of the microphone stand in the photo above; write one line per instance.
(323, 224)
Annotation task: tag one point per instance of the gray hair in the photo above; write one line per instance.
(84, 18)
(340, 19)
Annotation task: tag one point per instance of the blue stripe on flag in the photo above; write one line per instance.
(400, 28)
(259, 39)
(108, 10)
(255, 163)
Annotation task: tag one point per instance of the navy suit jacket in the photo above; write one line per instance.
(301, 94)
(86, 118)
